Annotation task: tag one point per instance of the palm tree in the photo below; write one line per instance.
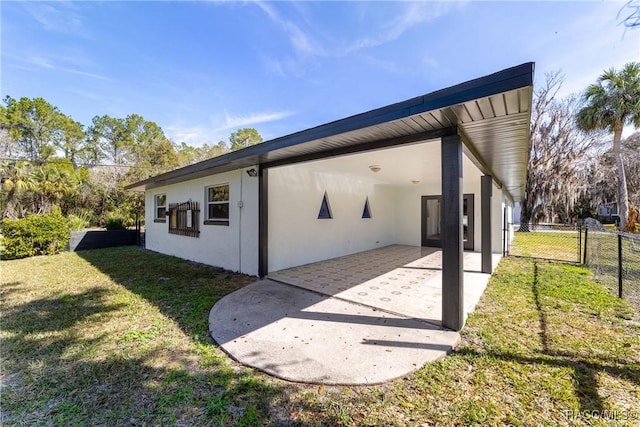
(15, 178)
(611, 103)
(52, 185)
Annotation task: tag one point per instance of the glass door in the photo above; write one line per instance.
(432, 221)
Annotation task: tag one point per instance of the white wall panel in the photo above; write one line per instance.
(231, 247)
(297, 236)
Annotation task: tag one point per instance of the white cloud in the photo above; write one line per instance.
(49, 64)
(233, 122)
(59, 17)
(411, 15)
(40, 62)
(301, 42)
(310, 43)
(196, 135)
(192, 135)
(86, 74)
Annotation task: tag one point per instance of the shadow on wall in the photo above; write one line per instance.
(98, 239)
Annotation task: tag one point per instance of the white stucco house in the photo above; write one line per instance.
(443, 169)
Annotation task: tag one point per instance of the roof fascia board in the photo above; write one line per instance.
(503, 81)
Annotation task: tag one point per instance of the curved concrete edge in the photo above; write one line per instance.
(301, 336)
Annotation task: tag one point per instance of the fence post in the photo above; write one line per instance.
(586, 236)
(579, 243)
(620, 265)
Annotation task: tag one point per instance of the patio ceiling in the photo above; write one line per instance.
(491, 114)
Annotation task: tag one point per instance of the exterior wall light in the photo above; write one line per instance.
(375, 168)
(252, 172)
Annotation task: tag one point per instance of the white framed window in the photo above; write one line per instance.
(217, 205)
(160, 208)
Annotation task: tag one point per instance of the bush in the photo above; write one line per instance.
(86, 215)
(46, 234)
(77, 223)
(115, 222)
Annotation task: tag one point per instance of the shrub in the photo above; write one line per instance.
(46, 234)
(86, 215)
(77, 223)
(114, 222)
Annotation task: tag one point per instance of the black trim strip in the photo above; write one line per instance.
(263, 222)
(451, 230)
(486, 189)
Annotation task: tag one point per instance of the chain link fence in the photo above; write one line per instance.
(547, 241)
(614, 259)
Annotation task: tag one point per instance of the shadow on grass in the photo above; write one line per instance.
(57, 371)
(56, 313)
(124, 390)
(10, 288)
(185, 292)
(181, 290)
(585, 371)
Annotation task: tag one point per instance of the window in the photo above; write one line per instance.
(217, 201)
(366, 212)
(325, 208)
(160, 208)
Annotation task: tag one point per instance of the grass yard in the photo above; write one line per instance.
(119, 337)
(602, 256)
(553, 245)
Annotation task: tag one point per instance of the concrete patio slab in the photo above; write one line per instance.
(300, 335)
(364, 318)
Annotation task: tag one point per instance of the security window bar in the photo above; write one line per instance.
(217, 199)
(184, 219)
(160, 208)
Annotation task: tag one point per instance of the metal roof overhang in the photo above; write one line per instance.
(491, 114)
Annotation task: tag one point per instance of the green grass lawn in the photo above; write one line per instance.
(119, 337)
(553, 245)
(602, 256)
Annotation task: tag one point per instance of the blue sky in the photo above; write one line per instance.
(203, 69)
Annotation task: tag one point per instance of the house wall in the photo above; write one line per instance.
(297, 236)
(233, 247)
(409, 209)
